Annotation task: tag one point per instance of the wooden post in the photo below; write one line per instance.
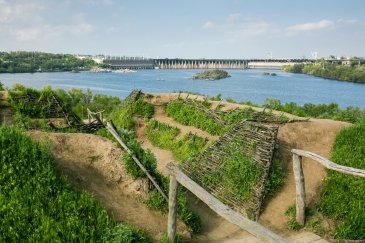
(300, 189)
(223, 210)
(171, 223)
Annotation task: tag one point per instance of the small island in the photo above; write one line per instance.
(215, 74)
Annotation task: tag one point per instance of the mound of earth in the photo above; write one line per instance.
(315, 135)
(93, 164)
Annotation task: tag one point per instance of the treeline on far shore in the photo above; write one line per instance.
(28, 62)
(351, 72)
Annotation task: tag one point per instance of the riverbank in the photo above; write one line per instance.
(244, 85)
(353, 73)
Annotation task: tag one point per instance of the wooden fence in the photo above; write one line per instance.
(299, 177)
(178, 176)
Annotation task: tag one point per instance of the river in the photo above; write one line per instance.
(244, 85)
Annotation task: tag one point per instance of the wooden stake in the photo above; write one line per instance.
(111, 129)
(300, 189)
(171, 223)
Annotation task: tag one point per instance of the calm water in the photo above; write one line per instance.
(244, 85)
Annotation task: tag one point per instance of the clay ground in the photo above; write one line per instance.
(93, 164)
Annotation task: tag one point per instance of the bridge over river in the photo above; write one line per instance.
(177, 63)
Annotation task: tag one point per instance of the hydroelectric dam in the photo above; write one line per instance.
(177, 63)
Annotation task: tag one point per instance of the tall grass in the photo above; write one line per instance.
(343, 196)
(38, 205)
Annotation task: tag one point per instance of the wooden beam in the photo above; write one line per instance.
(223, 210)
(329, 164)
(299, 189)
(140, 165)
(171, 223)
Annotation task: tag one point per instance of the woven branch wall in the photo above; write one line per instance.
(253, 140)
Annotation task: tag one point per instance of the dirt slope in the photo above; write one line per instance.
(315, 135)
(93, 164)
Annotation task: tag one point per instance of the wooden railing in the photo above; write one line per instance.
(299, 177)
(115, 134)
(177, 176)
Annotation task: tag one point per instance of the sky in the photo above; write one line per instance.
(186, 28)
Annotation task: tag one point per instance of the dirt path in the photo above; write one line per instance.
(93, 164)
(316, 136)
(163, 156)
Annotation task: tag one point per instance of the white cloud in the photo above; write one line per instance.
(311, 26)
(208, 25)
(15, 12)
(27, 34)
(97, 2)
(47, 32)
(347, 21)
(253, 28)
(233, 18)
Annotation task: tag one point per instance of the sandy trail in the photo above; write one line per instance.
(316, 136)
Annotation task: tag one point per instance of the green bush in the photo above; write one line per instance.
(353, 73)
(324, 111)
(343, 196)
(38, 205)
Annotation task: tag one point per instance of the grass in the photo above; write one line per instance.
(188, 114)
(343, 196)
(237, 174)
(292, 223)
(165, 136)
(122, 115)
(38, 205)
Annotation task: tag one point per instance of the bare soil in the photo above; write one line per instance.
(93, 164)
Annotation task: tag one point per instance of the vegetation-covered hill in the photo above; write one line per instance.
(28, 62)
(212, 75)
(353, 73)
(38, 205)
(343, 196)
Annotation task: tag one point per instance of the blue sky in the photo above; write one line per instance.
(185, 29)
